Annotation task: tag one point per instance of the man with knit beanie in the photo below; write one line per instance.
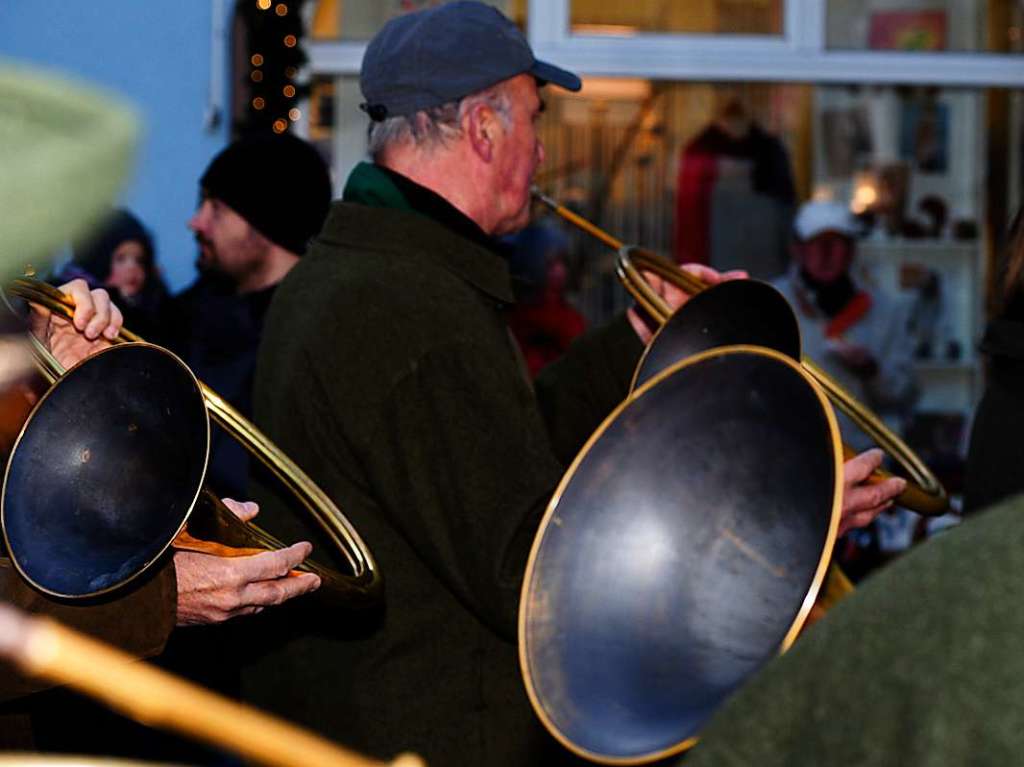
(261, 200)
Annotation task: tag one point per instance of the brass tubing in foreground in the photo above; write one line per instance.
(44, 649)
(365, 585)
(924, 493)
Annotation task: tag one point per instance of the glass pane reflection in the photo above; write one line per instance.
(710, 17)
(353, 20)
(993, 26)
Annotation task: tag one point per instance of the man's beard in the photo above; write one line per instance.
(205, 255)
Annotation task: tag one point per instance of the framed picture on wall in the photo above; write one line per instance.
(907, 30)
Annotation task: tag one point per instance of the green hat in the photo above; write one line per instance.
(64, 151)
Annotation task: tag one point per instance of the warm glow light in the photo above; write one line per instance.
(263, 5)
(294, 115)
(609, 30)
(258, 103)
(256, 60)
(289, 91)
(257, 76)
(615, 89)
(290, 41)
(864, 196)
(281, 9)
(280, 126)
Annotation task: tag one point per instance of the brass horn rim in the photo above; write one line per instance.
(364, 587)
(549, 514)
(923, 494)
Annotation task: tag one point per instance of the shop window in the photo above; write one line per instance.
(728, 17)
(994, 26)
(352, 20)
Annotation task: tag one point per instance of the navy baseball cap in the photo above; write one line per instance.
(431, 57)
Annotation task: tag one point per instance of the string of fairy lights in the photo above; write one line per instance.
(274, 34)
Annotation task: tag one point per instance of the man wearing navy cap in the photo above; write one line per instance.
(388, 372)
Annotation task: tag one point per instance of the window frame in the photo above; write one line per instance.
(798, 55)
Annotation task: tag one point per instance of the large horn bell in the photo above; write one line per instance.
(683, 549)
(108, 469)
(105, 471)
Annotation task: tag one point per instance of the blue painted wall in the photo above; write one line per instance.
(155, 55)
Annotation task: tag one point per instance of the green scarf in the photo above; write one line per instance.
(369, 185)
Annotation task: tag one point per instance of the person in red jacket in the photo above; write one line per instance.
(543, 321)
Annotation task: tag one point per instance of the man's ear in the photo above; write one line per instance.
(484, 130)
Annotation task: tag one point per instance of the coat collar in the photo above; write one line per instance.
(415, 220)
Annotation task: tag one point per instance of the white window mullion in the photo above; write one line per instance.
(547, 22)
(798, 56)
(805, 24)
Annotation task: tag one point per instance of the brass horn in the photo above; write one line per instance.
(682, 550)
(923, 494)
(362, 586)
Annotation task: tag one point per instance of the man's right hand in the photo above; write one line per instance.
(214, 589)
(96, 323)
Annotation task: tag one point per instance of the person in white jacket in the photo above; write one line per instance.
(858, 337)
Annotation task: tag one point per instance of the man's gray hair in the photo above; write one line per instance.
(436, 126)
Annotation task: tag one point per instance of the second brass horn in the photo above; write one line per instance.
(108, 469)
(683, 549)
(924, 493)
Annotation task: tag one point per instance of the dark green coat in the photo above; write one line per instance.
(387, 372)
(922, 666)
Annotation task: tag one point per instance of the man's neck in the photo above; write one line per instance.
(273, 269)
(830, 297)
(445, 174)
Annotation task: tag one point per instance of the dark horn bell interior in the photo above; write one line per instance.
(106, 471)
(677, 556)
(733, 312)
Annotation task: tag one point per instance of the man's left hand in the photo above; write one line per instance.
(96, 323)
(675, 296)
(864, 500)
